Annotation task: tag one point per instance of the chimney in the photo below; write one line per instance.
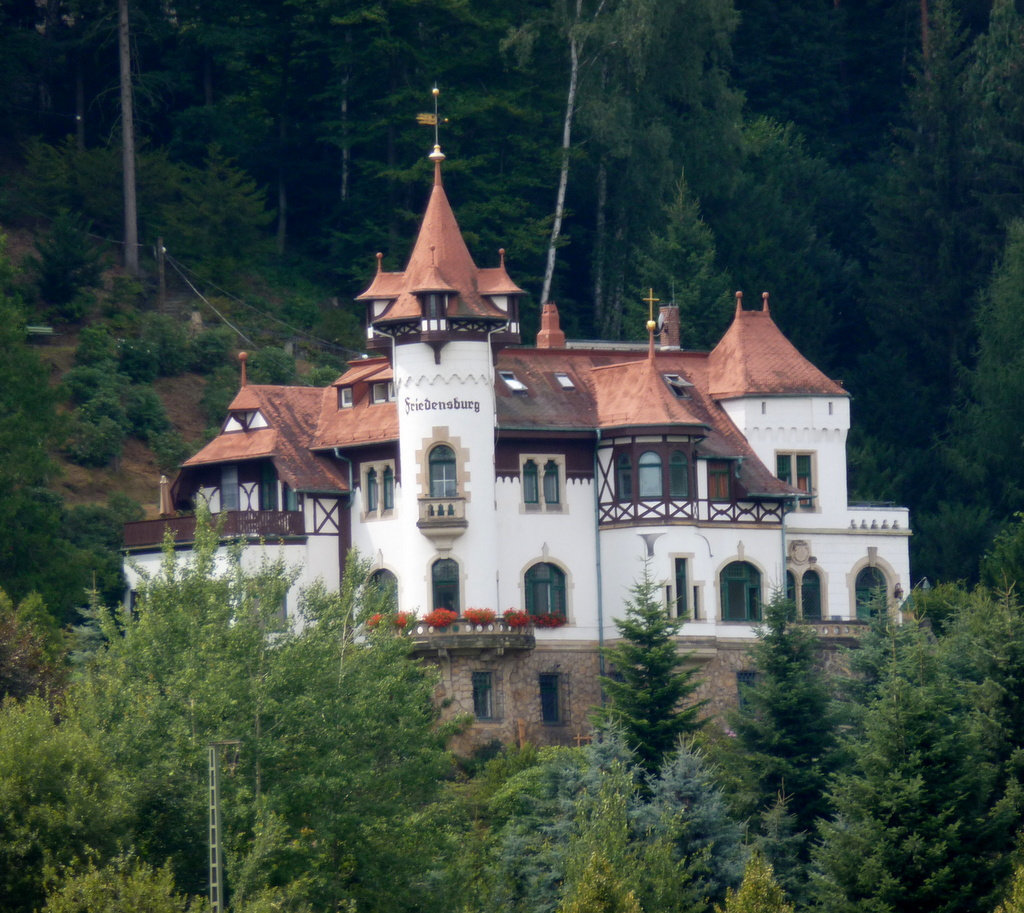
(669, 320)
(550, 335)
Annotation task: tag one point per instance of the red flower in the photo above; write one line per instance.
(548, 620)
(480, 616)
(514, 618)
(440, 618)
(374, 620)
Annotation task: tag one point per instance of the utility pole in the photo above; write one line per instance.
(216, 851)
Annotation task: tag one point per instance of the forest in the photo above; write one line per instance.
(861, 161)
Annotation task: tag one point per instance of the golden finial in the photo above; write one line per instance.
(432, 120)
(651, 301)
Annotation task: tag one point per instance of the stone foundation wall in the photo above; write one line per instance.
(516, 701)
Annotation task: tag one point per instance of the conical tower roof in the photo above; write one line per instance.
(753, 358)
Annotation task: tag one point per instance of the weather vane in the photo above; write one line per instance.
(433, 120)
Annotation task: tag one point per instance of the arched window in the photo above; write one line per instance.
(624, 477)
(551, 486)
(869, 593)
(444, 577)
(741, 592)
(649, 475)
(545, 590)
(387, 584)
(790, 587)
(531, 490)
(678, 475)
(389, 488)
(810, 595)
(371, 490)
(442, 472)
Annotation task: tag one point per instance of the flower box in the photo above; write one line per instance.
(480, 616)
(548, 620)
(440, 618)
(514, 618)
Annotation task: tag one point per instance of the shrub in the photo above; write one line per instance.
(106, 404)
(95, 346)
(271, 366)
(84, 382)
(138, 359)
(94, 442)
(145, 412)
(211, 349)
(170, 450)
(167, 339)
(67, 261)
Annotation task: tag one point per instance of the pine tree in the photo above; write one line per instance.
(759, 892)
(652, 680)
(785, 728)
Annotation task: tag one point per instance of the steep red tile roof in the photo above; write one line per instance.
(364, 422)
(291, 414)
(440, 261)
(754, 358)
(635, 393)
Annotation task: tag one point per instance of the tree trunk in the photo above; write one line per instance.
(563, 176)
(600, 229)
(131, 221)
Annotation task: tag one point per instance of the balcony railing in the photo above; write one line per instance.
(462, 635)
(247, 524)
(442, 519)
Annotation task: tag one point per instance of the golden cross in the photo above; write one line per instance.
(651, 301)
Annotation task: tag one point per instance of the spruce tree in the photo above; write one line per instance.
(785, 728)
(759, 893)
(651, 681)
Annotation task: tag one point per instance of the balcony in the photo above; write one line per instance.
(442, 520)
(464, 637)
(245, 524)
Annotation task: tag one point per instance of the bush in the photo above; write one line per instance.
(167, 339)
(106, 404)
(94, 442)
(211, 349)
(220, 389)
(138, 360)
(170, 451)
(67, 261)
(95, 346)
(85, 382)
(271, 366)
(145, 412)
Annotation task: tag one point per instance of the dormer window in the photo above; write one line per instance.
(382, 392)
(677, 384)
(344, 397)
(564, 381)
(247, 420)
(512, 382)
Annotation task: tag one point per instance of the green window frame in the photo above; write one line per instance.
(624, 477)
(552, 493)
(649, 482)
(268, 487)
(810, 596)
(678, 475)
(869, 591)
(372, 499)
(444, 579)
(741, 592)
(483, 695)
(681, 607)
(545, 589)
(531, 489)
(443, 479)
(389, 488)
(550, 704)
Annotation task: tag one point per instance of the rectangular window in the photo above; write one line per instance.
(745, 679)
(389, 488)
(483, 695)
(268, 488)
(551, 486)
(531, 488)
(550, 711)
(564, 381)
(291, 498)
(345, 397)
(380, 392)
(795, 470)
(718, 480)
(229, 488)
(680, 608)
